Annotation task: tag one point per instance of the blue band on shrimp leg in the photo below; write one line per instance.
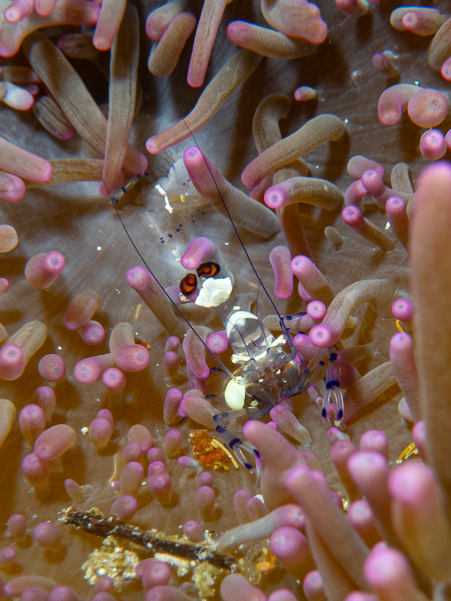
(333, 408)
(131, 183)
(236, 444)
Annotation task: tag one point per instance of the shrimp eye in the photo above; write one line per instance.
(208, 270)
(188, 284)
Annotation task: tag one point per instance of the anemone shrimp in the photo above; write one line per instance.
(268, 374)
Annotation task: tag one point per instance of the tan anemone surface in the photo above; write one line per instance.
(75, 220)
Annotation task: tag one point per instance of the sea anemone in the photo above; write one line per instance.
(340, 172)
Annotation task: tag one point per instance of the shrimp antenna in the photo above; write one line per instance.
(260, 321)
(284, 330)
(185, 319)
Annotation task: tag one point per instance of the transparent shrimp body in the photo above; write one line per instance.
(266, 374)
(267, 369)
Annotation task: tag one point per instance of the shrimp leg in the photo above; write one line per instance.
(131, 183)
(236, 444)
(333, 408)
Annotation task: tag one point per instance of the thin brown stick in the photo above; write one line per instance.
(95, 524)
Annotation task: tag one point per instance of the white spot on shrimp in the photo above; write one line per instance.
(214, 292)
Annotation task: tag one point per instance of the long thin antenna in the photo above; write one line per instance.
(185, 319)
(282, 325)
(233, 224)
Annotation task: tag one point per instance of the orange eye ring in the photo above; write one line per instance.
(188, 284)
(208, 270)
